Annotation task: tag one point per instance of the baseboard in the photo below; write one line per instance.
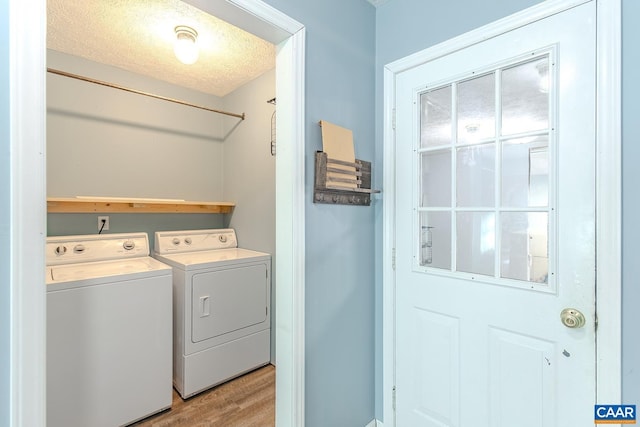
(375, 423)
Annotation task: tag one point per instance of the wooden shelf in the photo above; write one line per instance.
(133, 205)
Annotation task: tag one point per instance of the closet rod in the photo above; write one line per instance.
(126, 89)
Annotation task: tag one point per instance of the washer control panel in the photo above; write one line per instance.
(194, 240)
(98, 247)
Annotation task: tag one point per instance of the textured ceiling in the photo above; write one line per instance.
(138, 35)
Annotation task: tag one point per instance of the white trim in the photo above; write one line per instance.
(290, 260)
(388, 246)
(28, 130)
(269, 14)
(608, 185)
(609, 202)
(254, 16)
(374, 423)
(27, 20)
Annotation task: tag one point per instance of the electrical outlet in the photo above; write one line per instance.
(103, 220)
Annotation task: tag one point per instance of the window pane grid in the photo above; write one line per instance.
(502, 138)
(498, 174)
(454, 181)
(477, 229)
(484, 209)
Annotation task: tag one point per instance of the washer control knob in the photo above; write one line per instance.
(187, 240)
(79, 248)
(128, 245)
(175, 241)
(60, 250)
(222, 238)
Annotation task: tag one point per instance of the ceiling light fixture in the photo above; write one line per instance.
(186, 46)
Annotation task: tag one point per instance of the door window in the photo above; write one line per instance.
(485, 157)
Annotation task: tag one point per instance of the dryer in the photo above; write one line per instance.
(109, 337)
(221, 306)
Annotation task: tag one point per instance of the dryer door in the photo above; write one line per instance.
(228, 300)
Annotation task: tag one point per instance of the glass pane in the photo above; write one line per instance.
(524, 249)
(435, 240)
(525, 97)
(525, 172)
(435, 117)
(476, 109)
(436, 179)
(475, 176)
(475, 242)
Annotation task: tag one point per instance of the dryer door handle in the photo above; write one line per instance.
(205, 306)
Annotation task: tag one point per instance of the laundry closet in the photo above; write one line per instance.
(108, 143)
(134, 158)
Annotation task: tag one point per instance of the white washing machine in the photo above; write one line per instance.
(221, 303)
(109, 339)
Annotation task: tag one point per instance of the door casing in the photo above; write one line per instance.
(608, 187)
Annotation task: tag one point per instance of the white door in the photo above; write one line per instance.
(495, 230)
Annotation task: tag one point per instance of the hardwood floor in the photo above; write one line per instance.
(247, 401)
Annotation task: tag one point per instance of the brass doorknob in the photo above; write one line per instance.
(572, 318)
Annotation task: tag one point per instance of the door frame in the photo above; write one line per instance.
(27, 111)
(608, 187)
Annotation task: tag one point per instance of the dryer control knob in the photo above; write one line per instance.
(222, 238)
(188, 240)
(175, 241)
(60, 250)
(128, 245)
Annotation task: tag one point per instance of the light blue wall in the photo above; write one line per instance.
(339, 239)
(630, 203)
(72, 224)
(5, 205)
(107, 142)
(407, 26)
(249, 168)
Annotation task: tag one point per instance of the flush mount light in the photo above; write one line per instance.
(186, 46)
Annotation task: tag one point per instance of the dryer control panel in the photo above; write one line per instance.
(167, 242)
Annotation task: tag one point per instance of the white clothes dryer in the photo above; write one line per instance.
(108, 330)
(221, 297)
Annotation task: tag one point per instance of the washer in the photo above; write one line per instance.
(221, 303)
(109, 334)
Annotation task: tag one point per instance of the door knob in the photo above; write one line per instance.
(572, 318)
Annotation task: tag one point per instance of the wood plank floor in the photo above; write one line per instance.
(247, 401)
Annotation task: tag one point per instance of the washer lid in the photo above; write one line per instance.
(87, 273)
